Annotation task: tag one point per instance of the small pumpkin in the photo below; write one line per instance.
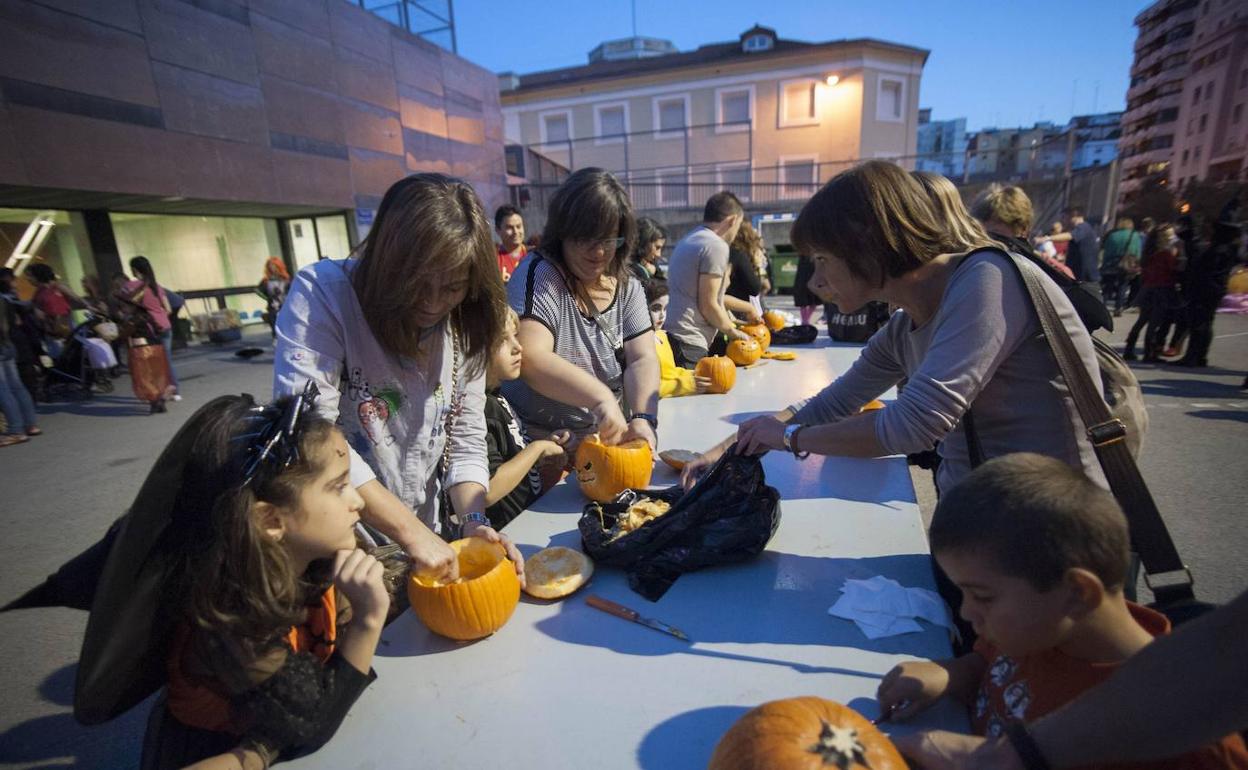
(760, 333)
(744, 352)
(719, 370)
(872, 405)
(805, 733)
(773, 320)
(605, 471)
(478, 603)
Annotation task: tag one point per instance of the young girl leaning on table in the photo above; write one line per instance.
(673, 380)
(520, 470)
(263, 663)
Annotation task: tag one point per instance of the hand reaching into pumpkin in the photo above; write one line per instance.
(911, 688)
(639, 428)
(486, 532)
(611, 423)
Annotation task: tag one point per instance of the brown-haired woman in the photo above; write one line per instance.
(397, 340)
(589, 351)
(966, 333)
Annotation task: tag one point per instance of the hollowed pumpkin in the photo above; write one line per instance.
(721, 371)
(605, 471)
(774, 321)
(805, 733)
(744, 352)
(476, 605)
(760, 333)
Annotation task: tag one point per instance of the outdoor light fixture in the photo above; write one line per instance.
(832, 80)
(31, 241)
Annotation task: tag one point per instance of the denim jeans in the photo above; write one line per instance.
(15, 400)
(166, 339)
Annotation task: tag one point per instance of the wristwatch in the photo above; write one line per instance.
(475, 517)
(790, 436)
(654, 421)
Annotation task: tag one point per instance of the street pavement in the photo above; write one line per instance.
(62, 490)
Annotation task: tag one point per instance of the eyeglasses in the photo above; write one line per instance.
(274, 447)
(606, 244)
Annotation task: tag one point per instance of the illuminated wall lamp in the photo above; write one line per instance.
(832, 80)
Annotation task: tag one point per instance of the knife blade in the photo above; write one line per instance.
(620, 611)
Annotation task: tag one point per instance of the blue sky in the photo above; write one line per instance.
(994, 62)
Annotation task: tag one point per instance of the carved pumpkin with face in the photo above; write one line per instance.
(744, 352)
(605, 471)
(760, 333)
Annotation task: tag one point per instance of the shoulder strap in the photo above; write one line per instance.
(1149, 534)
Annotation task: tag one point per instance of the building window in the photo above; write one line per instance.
(1243, 79)
(1208, 91)
(671, 115)
(1196, 154)
(610, 123)
(1184, 161)
(1196, 96)
(891, 103)
(673, 186)
(556, 127)
(1204, 121)
(757, 43)
(1237, 113)
(737, 178)
(798, 176)
(799, 104)
(734, 109)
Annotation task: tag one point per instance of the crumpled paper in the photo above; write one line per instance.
(883, 607)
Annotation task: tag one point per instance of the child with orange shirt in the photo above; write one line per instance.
(1041, 555)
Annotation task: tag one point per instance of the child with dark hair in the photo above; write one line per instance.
(1041, 554)
(520, 470)
(263, 576)
(673, 380)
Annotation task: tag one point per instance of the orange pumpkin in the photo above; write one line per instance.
(475, 605)
(872, 405)
(774, 321)
(605, 471)
(805, 733)
(760, 333)
(721, 372)
(744, 352)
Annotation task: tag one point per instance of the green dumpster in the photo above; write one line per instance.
(783, 268)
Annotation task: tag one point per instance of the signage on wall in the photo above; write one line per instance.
(364, 216)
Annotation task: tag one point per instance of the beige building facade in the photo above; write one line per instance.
(769, 118)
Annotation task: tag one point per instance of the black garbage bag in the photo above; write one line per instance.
(802, 334)
(729, 516)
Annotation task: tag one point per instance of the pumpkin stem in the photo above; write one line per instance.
(839, 746)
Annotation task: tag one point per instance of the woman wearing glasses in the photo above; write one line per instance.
(589, 355)
(397, 340)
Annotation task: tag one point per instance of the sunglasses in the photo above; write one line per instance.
(274, 446)
(606, 244)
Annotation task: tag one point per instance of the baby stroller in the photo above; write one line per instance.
(85, 364)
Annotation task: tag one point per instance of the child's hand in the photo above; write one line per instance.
(549, 448)
(912, 687)
(701, 384)
(359, 577)
(561, 437)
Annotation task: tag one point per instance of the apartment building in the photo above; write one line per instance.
(941, 146)
(768, 117)
(1155, 96)
(1212, 141)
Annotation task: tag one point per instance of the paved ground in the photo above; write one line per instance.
(62, 490)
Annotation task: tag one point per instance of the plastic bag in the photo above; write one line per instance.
(803, 334)
(729, 516)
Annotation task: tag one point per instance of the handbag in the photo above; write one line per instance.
(1175, 595)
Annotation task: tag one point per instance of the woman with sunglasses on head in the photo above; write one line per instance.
(397, 339)
(589, 354)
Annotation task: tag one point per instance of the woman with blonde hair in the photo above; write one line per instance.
(966, 333)
(397, 340)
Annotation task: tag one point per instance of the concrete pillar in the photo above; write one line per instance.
(94, 232)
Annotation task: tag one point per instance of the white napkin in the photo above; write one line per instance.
(883, 607)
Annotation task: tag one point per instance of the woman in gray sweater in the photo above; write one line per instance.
(965, 333)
